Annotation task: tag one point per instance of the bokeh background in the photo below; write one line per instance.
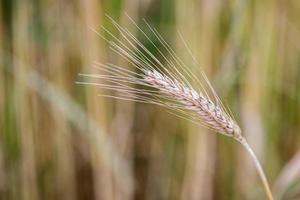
(59, 140)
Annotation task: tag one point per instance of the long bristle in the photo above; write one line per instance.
(168, 84)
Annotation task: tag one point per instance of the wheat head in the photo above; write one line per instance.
(194, 101)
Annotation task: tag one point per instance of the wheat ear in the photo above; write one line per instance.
(170, 87)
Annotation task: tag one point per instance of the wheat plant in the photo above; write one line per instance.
(164, 80)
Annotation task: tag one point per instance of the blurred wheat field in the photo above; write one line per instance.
(59, 140)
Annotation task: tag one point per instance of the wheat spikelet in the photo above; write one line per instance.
(210, 114)
(168, 85)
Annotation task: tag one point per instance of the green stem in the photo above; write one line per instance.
(258, 167)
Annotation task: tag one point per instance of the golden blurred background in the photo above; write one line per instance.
(59, 140)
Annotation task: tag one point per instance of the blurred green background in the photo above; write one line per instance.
(59, 140)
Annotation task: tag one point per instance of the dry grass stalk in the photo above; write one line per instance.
(168, 85)
(210, 114)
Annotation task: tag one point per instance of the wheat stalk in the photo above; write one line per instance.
(209, 113)
(170, 87)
